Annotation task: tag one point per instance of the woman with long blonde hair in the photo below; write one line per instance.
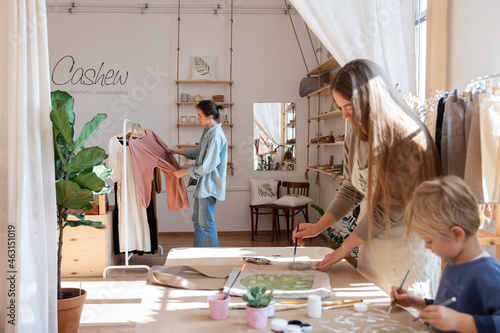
(388, 152)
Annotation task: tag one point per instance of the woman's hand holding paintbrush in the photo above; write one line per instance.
(304, 230)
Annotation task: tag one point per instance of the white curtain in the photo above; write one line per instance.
(378, 30)
(266, 117)
(28, 231)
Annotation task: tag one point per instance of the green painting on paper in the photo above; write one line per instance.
(283, 282)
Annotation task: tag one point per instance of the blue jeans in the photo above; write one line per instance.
(204, 224)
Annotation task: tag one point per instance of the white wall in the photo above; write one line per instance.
(267, 67)
(473, 47)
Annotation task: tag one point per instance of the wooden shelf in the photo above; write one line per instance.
(329, 173)
(341, 143)
(195, 103)
(325, 91)
(329, 115)
(326, 67)
(204, 81)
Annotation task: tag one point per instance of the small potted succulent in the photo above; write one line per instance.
(258, 299)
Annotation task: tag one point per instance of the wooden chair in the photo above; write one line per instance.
(298, 188)
(267, 209)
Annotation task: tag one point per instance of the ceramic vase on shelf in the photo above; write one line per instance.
(257, 317)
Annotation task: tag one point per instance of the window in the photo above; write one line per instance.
(420, 45)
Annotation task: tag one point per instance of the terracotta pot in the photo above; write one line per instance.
(69, 311)
(257, 317)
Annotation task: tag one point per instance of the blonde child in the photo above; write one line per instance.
(444, 213)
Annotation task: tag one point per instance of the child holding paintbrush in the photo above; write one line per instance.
(444, 213)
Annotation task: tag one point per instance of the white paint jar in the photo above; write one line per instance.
(270, 309)
(314, 306)
(293, 329)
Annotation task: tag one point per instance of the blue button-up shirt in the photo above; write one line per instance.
(210, 166)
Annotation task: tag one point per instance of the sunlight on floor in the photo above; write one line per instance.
(110, 301)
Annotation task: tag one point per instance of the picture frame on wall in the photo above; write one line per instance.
(204, 68)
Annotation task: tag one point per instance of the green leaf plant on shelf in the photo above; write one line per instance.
(337, 237)
(339, 173)
(79, 173)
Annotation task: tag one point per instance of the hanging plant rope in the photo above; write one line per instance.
(297, 38)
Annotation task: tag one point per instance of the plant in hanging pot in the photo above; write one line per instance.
(79, 175)
(258, 299)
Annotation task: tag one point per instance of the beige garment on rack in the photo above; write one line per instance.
(489, 116)
(473, 169)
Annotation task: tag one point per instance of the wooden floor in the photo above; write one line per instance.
(114, 304)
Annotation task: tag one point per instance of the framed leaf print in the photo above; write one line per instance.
(204, 68)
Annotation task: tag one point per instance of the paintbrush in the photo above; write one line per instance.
(295, 248)
(326, 303)
(236, 278)
(445, 303)
(399, 290)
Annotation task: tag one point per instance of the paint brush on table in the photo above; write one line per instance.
(295, 248)
(445, 303)
(399, 290)
(236, 278)
(325, 303)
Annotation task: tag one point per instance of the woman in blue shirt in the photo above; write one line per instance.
(210, 172)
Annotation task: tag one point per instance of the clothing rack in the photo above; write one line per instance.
(427, 111)
(124, 204)
(481, 80)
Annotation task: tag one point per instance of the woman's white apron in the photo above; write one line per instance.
(385, 258)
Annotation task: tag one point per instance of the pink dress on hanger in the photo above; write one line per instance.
(147, 153)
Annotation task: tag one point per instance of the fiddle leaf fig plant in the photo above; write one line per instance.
(79, 173)
(257, 296)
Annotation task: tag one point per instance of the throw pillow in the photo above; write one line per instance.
(292, 200)
(263, 191)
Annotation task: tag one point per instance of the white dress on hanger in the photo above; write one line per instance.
(139, 237)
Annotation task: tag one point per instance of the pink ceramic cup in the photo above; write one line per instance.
(218, 307)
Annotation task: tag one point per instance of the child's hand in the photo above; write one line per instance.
(447, 319)
(406, 299)
(403, 299)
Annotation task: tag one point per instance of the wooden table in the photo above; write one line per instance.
(168, 309)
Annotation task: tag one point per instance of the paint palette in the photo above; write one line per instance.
(300, 265)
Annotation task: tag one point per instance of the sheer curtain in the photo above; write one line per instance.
(266, 117)
(378, 30)
(28, 271)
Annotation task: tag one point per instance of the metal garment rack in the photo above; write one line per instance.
(124, 205)
(482, 80)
